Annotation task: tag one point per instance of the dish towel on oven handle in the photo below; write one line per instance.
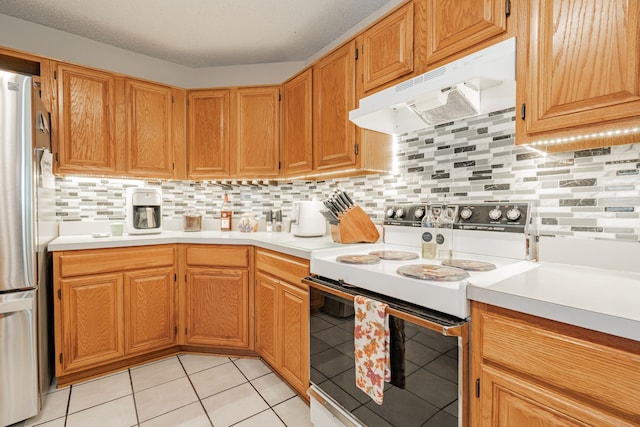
(371, 339)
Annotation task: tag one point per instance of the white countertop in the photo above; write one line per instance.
(601, 299)
(282, 242)
(605, 300)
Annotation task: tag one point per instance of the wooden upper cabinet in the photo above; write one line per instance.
(208, 133)
(456, 25)
(86, 120)
(149, 129)
(579, 68)
(387, 49)
(257, 137)
(297, 124)
(334, 136)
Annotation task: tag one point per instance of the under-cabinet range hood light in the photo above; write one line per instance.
(476, 84)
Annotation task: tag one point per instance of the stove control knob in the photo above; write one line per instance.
(418, 213)
(466, 213)
(513, 214)
(400, 213)
(495, 214)
(389, 213)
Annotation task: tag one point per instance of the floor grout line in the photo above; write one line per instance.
(133, 392)
(195, 391)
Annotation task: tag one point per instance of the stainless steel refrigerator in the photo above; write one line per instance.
(27, 224)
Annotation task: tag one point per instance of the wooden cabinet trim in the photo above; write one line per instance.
(96, 261)
(286, 267)
(218, 256)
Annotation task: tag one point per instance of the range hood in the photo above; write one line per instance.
(476, 84)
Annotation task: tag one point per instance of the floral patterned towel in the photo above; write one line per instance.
(371, 338)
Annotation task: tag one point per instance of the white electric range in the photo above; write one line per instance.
(470, 235)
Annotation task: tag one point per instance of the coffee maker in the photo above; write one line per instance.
(143, 210)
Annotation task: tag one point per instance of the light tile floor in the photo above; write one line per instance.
(185, 390)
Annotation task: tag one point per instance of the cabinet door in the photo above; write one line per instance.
(294, 333)
(149, 130)
(208, 133)
(456, 25)
(150, 314)
(584, 64)
(92, 320)
(387, 48)
(267, 315)
(510, 401)
(257, 137)
(217, 307)
(297, 124)
(334, 136)
(86, 120)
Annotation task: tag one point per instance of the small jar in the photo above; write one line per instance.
(192, 221)
(248, 223)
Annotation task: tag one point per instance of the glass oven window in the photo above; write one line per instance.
(426, 362)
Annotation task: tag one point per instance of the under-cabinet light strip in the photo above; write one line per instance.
(611, 133)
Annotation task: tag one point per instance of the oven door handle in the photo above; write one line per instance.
(458, 330)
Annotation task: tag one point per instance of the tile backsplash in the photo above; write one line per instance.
(589, 193)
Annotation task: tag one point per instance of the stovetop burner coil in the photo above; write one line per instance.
(436, 273)
(469, 265)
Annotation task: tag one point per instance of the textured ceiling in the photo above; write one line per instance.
(202, 33)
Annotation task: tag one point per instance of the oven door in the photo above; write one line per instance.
(429, 364)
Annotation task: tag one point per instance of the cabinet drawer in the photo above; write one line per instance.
(596, 366)
(95, 261)
(218, 256)
(286, 267)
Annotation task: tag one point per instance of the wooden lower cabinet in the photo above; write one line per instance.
(111, 305)
(217, 301)
(282, 316)
(150, 309)
(217, 307)
(92, 328)
(530, 371)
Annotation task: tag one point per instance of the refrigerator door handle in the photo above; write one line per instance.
(16, 305)
(28, 190)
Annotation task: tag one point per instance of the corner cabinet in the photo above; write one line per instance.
(282, 316)
(217, 299)
(526, 371)
(208, 123)
(111, 305)
(233, 132)
(578, 70)
(86, 120)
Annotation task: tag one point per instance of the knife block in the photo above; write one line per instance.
(355, 227)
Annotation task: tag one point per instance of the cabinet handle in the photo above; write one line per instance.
(523, 111)
(478, 387)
